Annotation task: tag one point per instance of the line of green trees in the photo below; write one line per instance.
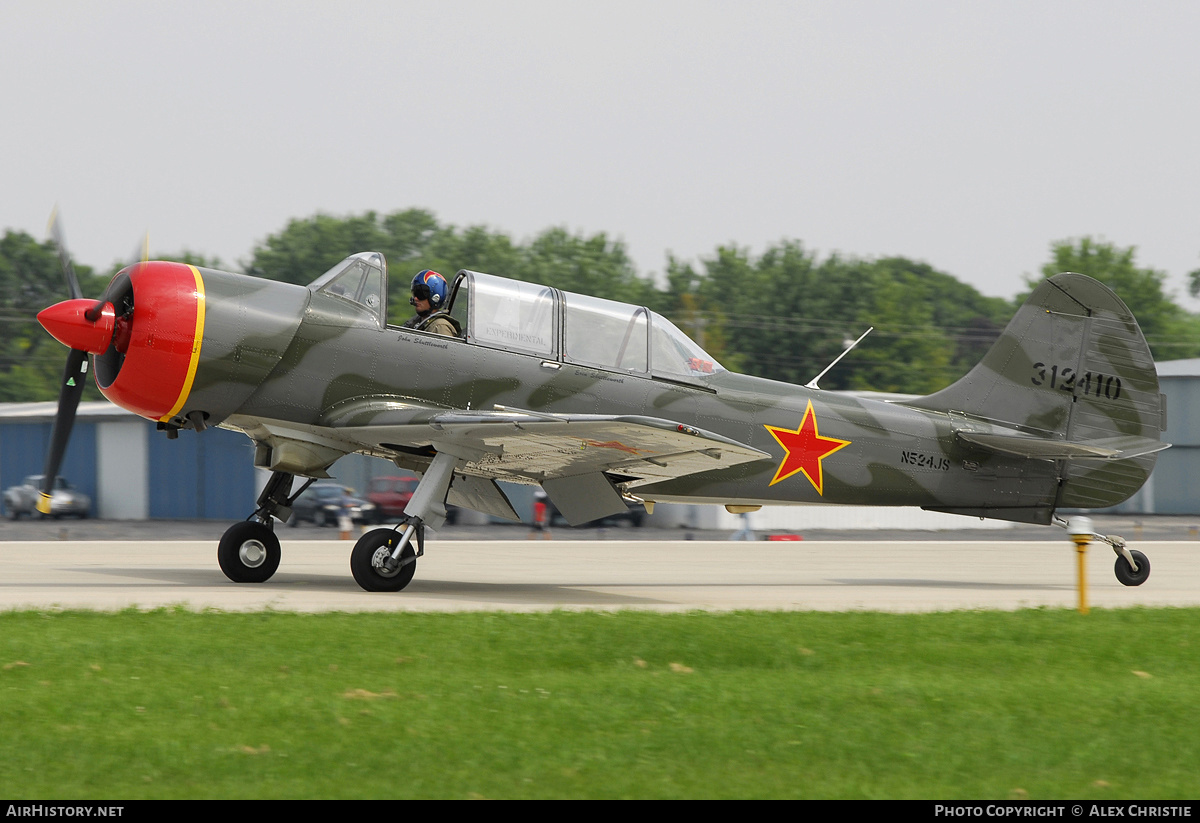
(784, 314)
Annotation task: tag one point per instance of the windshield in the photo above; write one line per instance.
(359, 278)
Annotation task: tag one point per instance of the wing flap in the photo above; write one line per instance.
(583, 498)
(481, 495)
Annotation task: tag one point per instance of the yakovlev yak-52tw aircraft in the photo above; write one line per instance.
(599, 403)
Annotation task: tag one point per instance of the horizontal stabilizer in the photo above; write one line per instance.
(1043, 448)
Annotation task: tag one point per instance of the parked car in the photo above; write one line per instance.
(391, 494)
(65, 501)
(323, 504)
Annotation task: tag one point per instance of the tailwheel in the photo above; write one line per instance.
(369, 561)
(1126, 573)
(249, 552)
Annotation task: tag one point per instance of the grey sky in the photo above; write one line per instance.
(970, 135)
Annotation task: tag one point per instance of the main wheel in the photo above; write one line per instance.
(248, 552)
(1125, 573)
(368, 555)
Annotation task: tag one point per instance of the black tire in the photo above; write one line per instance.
(1125, 573)
(367, 574)
(248, 552)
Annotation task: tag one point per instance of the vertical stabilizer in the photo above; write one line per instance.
(1071, 367)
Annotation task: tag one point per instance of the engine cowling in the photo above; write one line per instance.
(174, 341)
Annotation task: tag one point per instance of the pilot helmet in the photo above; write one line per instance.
(431, 286)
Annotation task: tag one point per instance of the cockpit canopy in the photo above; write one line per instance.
(527, 318)
(573, 328)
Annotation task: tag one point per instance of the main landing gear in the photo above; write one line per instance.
(383, 560)
(1132, 567)
(372, 562)
(249, 551)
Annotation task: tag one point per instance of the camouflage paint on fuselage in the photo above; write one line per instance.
(249, 322)
(1071, 366)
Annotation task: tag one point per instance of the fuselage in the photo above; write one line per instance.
(826, 447)
(213, 348)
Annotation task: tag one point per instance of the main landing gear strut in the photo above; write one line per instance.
(1132, 567)
(249, 551)
(384, 560)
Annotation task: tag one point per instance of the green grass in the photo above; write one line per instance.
(170, 704)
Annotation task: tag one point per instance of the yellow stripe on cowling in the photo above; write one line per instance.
(196, 340)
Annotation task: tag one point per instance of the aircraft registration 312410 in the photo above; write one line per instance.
(599, 403)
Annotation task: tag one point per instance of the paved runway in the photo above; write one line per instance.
(520, 575)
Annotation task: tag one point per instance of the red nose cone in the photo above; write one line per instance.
(67, 325)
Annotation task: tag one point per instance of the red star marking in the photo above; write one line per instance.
(804, 450)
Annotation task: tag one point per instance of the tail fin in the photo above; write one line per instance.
(1070, 379)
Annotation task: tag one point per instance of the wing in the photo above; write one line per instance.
(576, 457)
(532, 447)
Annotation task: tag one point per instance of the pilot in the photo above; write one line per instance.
(429, 294)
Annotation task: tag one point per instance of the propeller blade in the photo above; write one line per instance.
(74, 377)
(75, 373)
(64, 258)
